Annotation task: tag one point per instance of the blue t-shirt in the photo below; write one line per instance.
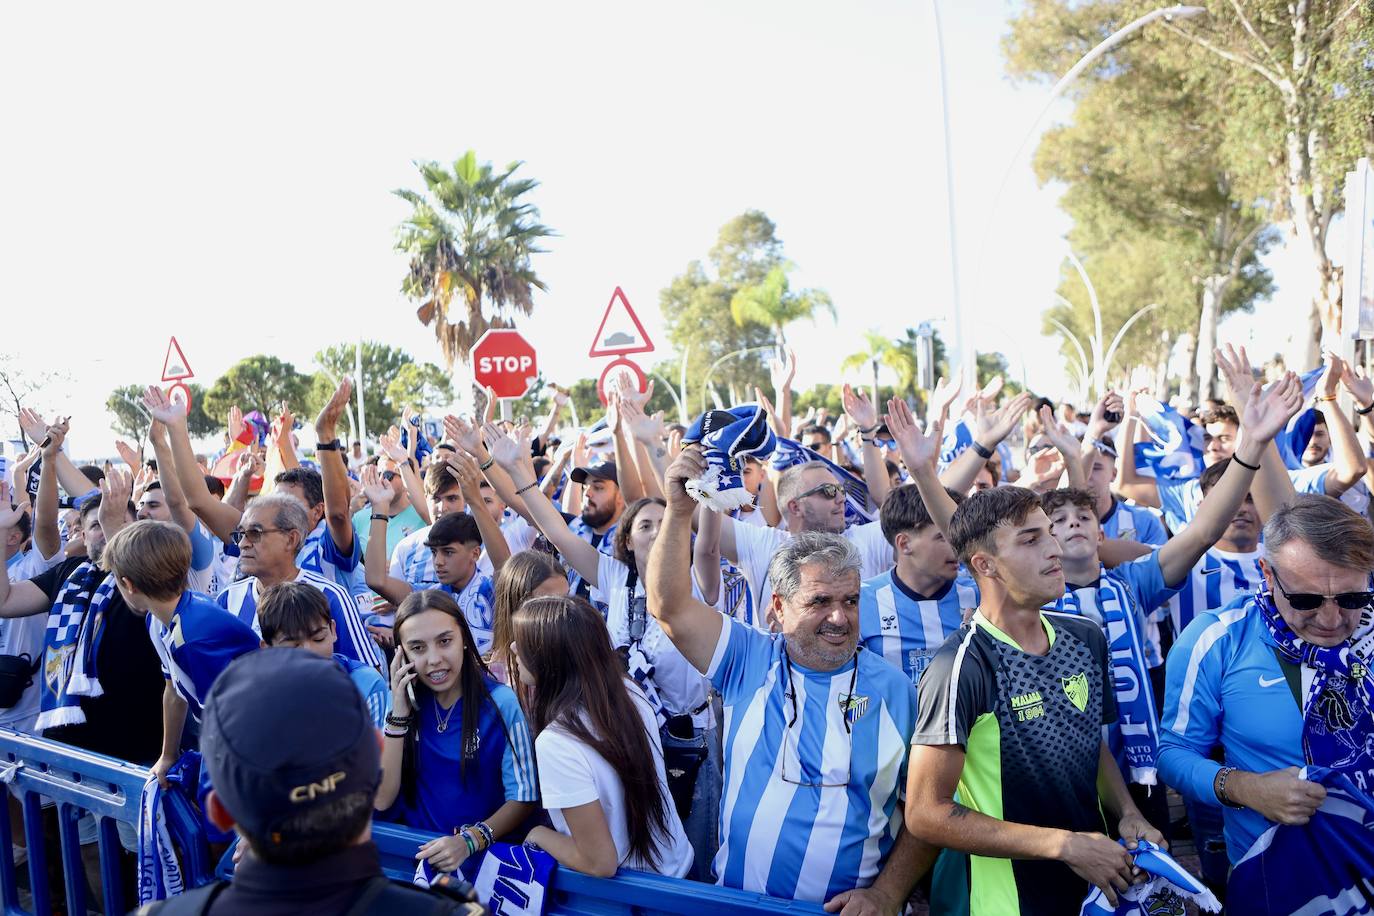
(906, 627)
(448, 794)
(200, 643)
(371, 685)
(812, 808)
(1133, 523)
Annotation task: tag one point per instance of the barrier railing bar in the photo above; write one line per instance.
(73, 872)
(111, 877)
(38, 853)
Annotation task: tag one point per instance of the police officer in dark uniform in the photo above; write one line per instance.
(294, 761)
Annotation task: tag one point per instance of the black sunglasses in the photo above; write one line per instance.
(828, 490)
(389, 476)
(1307, 601)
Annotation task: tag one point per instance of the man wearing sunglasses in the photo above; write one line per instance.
(1280, 679)
(816, 726)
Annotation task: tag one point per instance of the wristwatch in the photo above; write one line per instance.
(334, 446)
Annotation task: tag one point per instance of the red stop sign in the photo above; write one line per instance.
(504, 361)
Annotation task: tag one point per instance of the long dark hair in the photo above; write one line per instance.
(620, 545)
(516, 581)
(580, 685)
(473, 677)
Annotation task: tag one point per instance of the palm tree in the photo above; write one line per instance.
(469, 234)
(772, 304)
(883, 351)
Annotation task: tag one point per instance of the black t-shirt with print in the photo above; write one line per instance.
(126, 721)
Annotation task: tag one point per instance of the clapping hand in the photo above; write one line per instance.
(512, 454)
(116, 487)
(942, 398)
(164, 409)
(859, 409)
(1234, 365)
(1268, 412)
(390, 444)
(783, 372)
(464, 435)
(1361, 387)
(916, 448)
(1060, 436)
(991, 427)
(378, 491)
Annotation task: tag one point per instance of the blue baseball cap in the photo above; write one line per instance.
(286, 731)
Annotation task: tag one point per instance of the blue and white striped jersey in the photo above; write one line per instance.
(413, 562)
(1133, 523)
(907, 628)
(353, 640)
(814, 767)
(321, 556)
(200, 643)
(1217, 580)
(1180, 498)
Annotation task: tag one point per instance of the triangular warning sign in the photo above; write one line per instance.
(620, 331)
(175, 366)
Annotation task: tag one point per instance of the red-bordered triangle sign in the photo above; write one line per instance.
(620, 331)
(175, 367)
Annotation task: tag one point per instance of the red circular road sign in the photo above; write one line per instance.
(627, 370)
(504, 361)
(178, 388)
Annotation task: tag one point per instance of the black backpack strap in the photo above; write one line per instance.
(194, 902)
(384, 896)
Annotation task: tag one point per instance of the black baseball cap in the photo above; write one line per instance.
(603, 471)
(286, 731)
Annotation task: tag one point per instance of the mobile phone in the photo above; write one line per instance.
(1111, 416)
(410, 685)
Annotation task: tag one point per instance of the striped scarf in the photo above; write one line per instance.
(789, 453)
(1135, 734)
(70, 643)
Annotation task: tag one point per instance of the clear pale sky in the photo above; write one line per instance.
(224, 174)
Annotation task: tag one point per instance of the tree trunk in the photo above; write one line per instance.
(1213, 290)
(1187, 383)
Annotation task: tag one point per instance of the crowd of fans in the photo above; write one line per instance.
(959, 658)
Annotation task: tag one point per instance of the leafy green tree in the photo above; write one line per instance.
(422, 386)
(772, 303)
(257, 383)
(888, 353)
(582, 395)
(470, 237)
(1291, 86)
(536, 402)
(130, 420)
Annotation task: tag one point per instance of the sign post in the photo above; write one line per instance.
(620, 334)
(504, 361)
(175, 369)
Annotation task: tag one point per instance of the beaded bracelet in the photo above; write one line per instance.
(472, 847)
(482, 828)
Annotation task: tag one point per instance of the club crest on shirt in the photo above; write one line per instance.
(1076, 689)
(889, 622)
(56, 663)
(853, 706)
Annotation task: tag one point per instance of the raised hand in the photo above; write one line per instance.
(464, 435)
(1109, 403)
(377, 490)
(10, 514)
(327, 422)
(235, 423)
(126, 454)
(860, 410)
(1234, 365)
(116, 488)
(1268, 412)
(640, 398)
(643, 427)
(248, 464)
(783, 372)
(511, 453)
(1331, 378)
(560, 395)
(1361, 388)
(144, 476)
(33, 424)
(164, 409)
(464, 470)
(915, 447)
(992, 427)
(690, 464)
(390, 444)
(53, 437)
(489, 408)
(942, 398)
(1059, 434)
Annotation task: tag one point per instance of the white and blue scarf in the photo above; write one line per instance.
(1164, 893)
(727, 437)
(1174, 451)
(789, 453)
(1138, 746)
(1338, 715)
(1323, 867)
(70, 643)
(513, 880)
(159, 873)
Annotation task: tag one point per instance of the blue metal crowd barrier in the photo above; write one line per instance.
(79, 781)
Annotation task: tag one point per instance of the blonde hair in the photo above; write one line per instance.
(154, 556)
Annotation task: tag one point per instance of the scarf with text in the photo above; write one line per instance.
(70, 643)
(1168, 886)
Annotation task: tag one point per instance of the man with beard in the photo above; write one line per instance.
(601, 508)
(816, 725)
(811, 500)
(1011, 715)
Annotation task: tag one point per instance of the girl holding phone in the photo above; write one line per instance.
(603, 781)
(458, 758)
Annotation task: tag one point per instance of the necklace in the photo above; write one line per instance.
(440, 717)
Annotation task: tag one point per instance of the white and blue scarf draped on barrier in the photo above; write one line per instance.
(1162, 895)
(1130, 680)
(1323, 867)
(789, 453)
(159, 873)
(70, 643)
(513, 880)
(1338, 711)
(727, 438)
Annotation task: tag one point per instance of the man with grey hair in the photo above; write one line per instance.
(1280, 679)
(269, 537)
(810, 499)
(816, 726)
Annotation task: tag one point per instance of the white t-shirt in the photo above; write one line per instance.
(24, 636)
(681, 687)
(756, 546)
(572, 774)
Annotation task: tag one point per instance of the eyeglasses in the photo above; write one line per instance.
(251, 535)
(389, 476)
(1307, 601)
(791, 757)
(828, 490)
